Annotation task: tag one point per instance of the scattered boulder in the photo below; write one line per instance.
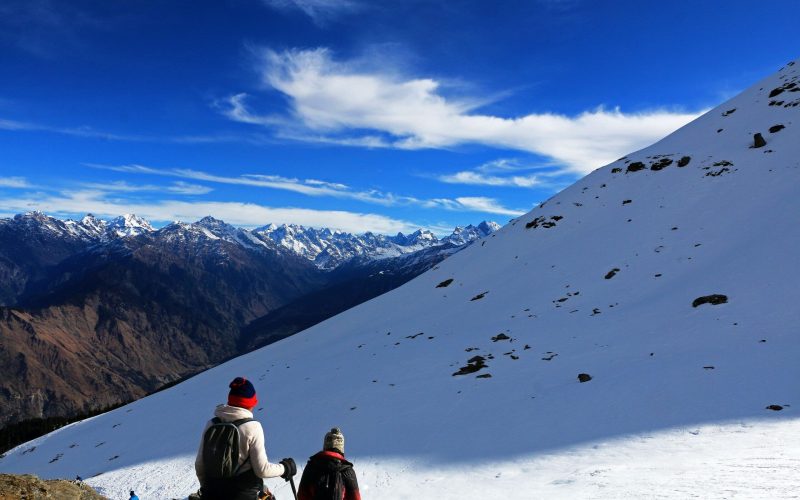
(612, 273)
(584, 377)
(776, 128)
(684, 161)
(775, 91)
(625, 202)
(485, 375)
(635, 167)
(774, 407)
(473, 365)
(729, 112)
(714, 300)
(661, 164)
(445, 283)
(543, 222)
(479, 296)
(500, 336)
(758, 140)
(616, 170)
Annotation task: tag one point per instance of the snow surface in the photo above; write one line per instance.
(676, 407)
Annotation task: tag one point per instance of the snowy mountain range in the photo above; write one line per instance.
(325, 247)
(633, 337)
(96, 313)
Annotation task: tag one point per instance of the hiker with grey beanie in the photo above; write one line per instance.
(327, 474)
(232, 462)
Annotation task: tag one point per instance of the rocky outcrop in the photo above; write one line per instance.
(30, 487)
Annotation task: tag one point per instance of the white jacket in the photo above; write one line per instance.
(251, 443)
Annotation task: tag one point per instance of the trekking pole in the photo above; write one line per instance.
(294, 490)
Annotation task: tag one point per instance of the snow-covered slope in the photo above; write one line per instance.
(602, 280)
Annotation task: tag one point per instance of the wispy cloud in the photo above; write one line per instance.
(87, 132)
(332, 101)
(510, 172)
(45, 28)
(320, 11)
(311, 187)
(475, 204)
(14, 182)
(71, 203)
(177, 187)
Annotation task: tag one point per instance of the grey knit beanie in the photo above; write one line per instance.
(334, 440)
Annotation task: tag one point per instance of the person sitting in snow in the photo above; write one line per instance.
(133, 496)
(232, 462)
(327, 474)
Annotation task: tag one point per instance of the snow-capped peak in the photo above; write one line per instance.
(129, 225)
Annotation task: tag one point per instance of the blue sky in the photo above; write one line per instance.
(353, 114)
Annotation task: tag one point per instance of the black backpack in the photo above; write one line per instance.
(329, 483)
(221, 448)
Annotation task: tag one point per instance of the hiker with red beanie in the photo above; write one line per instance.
(328, 476)
(232, 462)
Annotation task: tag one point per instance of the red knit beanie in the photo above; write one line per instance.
(242, 393)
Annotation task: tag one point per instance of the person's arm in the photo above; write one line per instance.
(350, 485)
(258, 453)
(198, 461)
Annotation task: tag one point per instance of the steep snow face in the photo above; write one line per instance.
(129, 225)
(666, 281)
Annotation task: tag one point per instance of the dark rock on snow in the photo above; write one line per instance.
(714, 300)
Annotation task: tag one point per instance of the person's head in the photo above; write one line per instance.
(133, 494)
(242, 394)
(334, 441)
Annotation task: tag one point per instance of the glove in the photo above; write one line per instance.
(289, 468)
(265, 495)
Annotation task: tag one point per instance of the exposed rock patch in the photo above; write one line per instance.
(714, 300)
(474, 364)
(30, 487)
(635, 167)
(543, 222)
(445, 283)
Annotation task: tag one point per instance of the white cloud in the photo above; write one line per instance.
(177, 187)
(315, 187)
(14, 182)
(472, 204)
(70, 203)
(180, 187)
(479, 179)
(509, 172)
(320, 11)
(336, 102)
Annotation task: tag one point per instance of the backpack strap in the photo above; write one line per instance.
(241, 421)
(237, 423)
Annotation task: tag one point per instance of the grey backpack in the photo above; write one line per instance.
(221, 448)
